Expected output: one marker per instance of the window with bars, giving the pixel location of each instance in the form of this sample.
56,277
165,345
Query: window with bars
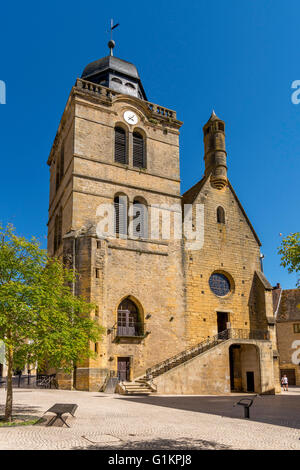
120,145
120,208
138,151
140,219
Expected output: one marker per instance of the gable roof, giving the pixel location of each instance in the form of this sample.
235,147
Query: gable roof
190,195
263,280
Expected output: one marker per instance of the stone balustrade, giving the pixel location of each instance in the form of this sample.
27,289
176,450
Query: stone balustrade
157,111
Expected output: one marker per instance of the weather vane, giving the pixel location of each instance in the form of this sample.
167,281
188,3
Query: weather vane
111,42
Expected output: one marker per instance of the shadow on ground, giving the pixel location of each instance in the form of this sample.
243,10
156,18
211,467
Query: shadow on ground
158,444
279,410
20,409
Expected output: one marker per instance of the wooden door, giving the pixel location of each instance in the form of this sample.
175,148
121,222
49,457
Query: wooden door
123,368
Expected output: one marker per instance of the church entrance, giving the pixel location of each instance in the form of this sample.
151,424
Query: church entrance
222,320
123,369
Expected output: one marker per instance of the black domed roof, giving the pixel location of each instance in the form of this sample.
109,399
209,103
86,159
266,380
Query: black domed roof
113,63
117,74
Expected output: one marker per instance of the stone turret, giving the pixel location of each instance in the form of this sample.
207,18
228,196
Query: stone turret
215,155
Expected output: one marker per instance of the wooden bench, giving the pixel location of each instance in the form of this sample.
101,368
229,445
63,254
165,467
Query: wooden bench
59,409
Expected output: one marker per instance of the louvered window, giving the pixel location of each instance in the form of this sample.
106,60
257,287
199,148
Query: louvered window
138,151
120,145
120,206
57,231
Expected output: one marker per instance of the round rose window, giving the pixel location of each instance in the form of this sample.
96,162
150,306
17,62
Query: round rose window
219,284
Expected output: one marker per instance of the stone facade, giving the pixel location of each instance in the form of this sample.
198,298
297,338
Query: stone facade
287,303
165,278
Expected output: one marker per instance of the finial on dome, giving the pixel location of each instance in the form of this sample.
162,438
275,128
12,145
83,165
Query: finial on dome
111,42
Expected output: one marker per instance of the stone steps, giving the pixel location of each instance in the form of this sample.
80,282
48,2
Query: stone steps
138,387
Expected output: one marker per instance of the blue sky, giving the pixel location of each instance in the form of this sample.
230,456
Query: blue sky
238,57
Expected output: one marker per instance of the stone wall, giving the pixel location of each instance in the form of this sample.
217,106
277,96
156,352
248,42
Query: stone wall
209,373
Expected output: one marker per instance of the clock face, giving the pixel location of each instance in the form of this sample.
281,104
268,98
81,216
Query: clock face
130,117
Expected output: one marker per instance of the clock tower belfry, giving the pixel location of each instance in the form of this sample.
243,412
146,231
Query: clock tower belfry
112,145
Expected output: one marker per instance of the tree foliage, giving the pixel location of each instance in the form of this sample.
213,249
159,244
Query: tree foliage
40,318
290,253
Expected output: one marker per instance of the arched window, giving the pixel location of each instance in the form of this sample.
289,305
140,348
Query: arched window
220,215
128,319
140,219
120,145
120,207
138,153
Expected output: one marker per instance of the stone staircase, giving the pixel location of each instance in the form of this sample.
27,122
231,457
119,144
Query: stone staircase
139,386
144,385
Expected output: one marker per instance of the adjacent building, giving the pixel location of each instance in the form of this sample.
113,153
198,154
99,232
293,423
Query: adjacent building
287,313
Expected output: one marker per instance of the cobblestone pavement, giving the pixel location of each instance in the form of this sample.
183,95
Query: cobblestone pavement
156,422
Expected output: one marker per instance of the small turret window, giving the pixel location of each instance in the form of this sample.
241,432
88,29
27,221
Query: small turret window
207,131
221,126
120,145
220,215
139,157
117,80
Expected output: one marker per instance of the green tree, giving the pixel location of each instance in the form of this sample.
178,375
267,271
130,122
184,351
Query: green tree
290,253
40,318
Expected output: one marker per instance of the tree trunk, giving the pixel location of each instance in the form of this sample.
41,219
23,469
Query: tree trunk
9,392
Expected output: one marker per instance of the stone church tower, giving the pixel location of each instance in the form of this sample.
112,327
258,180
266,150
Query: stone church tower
178,319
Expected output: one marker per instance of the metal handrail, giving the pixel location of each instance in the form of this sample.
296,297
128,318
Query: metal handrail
209,343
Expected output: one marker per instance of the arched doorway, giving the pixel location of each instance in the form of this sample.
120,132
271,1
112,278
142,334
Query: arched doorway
244,368
128,319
